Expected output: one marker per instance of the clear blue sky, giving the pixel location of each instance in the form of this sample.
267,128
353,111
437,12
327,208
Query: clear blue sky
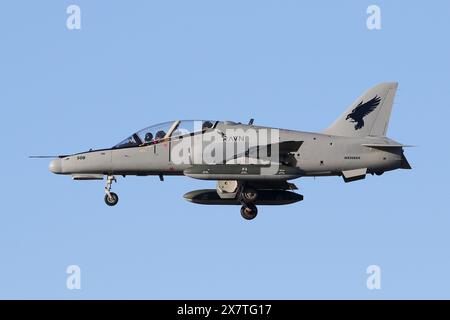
285,63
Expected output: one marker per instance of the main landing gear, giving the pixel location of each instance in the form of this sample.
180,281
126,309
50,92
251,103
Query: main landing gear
111,198
247,197
249,211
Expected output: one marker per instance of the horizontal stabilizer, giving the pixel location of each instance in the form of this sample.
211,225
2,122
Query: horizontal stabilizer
381,145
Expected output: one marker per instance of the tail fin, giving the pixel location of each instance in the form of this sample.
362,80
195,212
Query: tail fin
368,115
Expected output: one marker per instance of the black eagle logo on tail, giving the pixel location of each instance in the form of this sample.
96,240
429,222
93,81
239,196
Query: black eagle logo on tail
362,110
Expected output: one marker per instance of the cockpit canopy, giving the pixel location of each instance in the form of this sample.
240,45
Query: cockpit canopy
165,130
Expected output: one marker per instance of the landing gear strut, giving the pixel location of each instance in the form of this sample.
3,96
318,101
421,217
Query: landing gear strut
111,198
249,195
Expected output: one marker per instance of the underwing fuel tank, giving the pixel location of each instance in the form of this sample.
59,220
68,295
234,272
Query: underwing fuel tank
265,197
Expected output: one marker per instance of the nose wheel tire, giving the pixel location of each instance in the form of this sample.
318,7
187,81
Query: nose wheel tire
111,199
249,211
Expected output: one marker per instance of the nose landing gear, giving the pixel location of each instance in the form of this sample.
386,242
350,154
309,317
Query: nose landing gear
111,198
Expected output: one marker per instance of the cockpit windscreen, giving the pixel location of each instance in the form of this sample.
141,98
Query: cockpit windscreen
164,130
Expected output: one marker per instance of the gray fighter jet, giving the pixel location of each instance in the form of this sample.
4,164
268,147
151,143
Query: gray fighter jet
251,164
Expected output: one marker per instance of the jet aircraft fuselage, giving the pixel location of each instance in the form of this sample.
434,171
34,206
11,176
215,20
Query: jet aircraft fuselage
252,164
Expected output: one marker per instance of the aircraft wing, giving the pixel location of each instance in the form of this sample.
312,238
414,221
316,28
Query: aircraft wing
256,170
248,172
285,150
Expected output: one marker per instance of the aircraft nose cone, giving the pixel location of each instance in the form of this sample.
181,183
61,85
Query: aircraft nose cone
55,166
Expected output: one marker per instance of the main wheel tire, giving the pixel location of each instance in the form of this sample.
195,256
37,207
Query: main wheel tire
112,199
249,211
249,195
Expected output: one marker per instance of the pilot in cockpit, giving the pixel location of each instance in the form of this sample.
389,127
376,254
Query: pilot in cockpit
160,134
207,125
148,137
